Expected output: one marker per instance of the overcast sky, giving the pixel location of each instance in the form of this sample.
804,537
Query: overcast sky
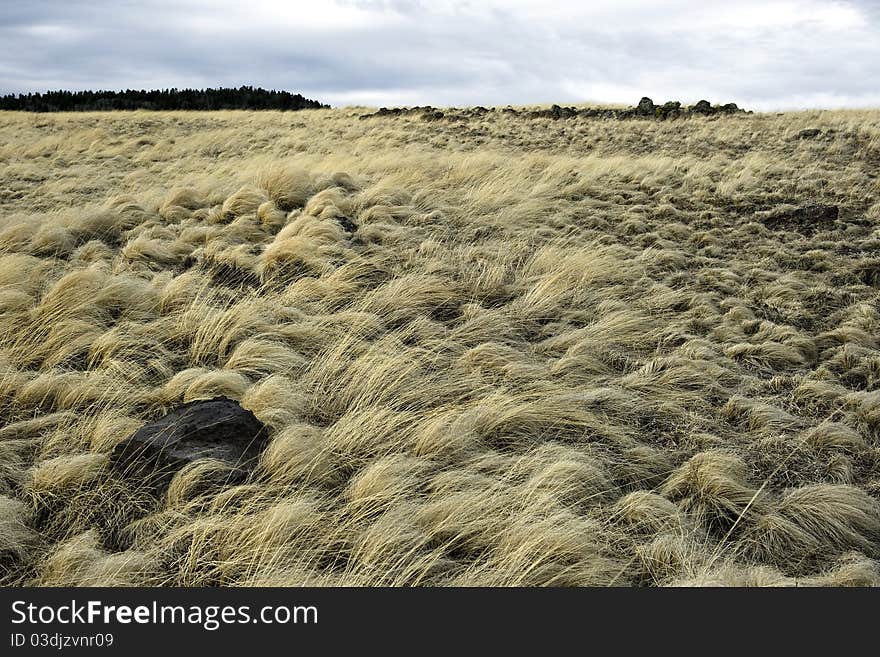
761,54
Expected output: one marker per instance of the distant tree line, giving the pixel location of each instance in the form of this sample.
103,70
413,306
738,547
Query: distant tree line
249,98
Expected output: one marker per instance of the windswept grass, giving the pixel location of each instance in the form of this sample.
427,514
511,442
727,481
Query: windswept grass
500,351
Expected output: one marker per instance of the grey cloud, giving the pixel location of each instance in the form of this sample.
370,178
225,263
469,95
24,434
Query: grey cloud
406,52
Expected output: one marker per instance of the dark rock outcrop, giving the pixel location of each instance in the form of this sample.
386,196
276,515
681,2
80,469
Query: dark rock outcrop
645,107
215,428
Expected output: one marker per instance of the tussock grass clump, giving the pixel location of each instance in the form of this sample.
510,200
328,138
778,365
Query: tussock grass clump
18,540
82,561
712,486
819,522
494,351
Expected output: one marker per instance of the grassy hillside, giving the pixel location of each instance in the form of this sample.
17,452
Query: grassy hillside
494,351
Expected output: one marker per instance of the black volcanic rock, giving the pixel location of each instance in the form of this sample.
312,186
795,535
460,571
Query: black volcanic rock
215,428
645,107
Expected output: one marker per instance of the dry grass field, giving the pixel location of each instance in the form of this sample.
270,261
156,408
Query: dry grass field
500,351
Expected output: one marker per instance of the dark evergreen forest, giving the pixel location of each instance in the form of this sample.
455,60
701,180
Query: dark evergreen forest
245,98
